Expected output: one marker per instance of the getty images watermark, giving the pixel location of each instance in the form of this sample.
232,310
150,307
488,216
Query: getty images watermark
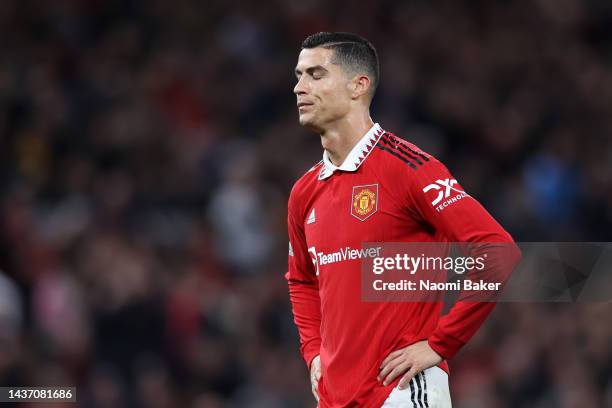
427,265
487,272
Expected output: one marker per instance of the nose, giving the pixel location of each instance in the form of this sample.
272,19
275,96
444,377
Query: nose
300,88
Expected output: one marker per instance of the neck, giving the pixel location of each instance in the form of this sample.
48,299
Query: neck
340,138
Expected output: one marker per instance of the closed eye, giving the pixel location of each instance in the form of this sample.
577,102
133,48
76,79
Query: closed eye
316,72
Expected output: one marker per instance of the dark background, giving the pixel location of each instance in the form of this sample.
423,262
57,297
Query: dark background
147,149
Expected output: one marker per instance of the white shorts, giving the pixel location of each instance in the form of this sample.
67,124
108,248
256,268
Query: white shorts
427,389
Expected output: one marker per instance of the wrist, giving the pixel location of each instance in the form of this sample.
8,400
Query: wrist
312,360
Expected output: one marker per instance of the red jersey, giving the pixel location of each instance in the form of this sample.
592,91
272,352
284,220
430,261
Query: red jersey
381,193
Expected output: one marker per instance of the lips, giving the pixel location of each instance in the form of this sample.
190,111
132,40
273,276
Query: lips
301,104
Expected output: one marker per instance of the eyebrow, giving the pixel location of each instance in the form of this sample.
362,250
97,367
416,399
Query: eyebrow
310,70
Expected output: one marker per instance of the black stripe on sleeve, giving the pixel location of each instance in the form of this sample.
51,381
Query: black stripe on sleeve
398,147
399,141
402,158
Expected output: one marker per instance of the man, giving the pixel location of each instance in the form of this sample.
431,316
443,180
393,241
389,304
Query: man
369,187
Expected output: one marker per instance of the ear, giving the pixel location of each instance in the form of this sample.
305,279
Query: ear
360,85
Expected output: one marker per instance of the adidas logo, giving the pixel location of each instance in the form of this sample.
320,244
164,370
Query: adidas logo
311,217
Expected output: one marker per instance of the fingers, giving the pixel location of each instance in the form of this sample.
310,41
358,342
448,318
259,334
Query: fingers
407,378
392,356
315,376
388,368
407,362
389,363
393,360
396,371
315,392
314,380
400,362
315,389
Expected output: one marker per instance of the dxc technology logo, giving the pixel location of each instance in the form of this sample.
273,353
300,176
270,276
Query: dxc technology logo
445,189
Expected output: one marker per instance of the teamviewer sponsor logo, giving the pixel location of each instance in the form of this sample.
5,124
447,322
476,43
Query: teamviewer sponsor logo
343,254
445,190
347,254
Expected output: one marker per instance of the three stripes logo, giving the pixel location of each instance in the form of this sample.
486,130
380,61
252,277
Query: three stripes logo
444,189
311,218
400,149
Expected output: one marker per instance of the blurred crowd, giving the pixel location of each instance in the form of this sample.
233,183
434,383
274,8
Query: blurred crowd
147,149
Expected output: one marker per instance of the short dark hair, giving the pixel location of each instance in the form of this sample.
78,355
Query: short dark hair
351,51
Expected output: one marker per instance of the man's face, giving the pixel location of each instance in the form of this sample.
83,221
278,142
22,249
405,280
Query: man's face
323,91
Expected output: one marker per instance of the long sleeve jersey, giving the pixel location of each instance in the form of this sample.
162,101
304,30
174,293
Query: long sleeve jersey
387,190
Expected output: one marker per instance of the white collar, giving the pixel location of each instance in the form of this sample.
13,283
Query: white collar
357,155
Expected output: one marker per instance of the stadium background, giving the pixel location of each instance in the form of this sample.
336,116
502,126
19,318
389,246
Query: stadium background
147,150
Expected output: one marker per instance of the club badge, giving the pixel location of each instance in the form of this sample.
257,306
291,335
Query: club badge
364,201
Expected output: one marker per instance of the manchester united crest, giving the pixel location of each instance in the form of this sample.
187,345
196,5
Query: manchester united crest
364,201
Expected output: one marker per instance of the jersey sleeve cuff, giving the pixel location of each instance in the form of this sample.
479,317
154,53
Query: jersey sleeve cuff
311,350
445,346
